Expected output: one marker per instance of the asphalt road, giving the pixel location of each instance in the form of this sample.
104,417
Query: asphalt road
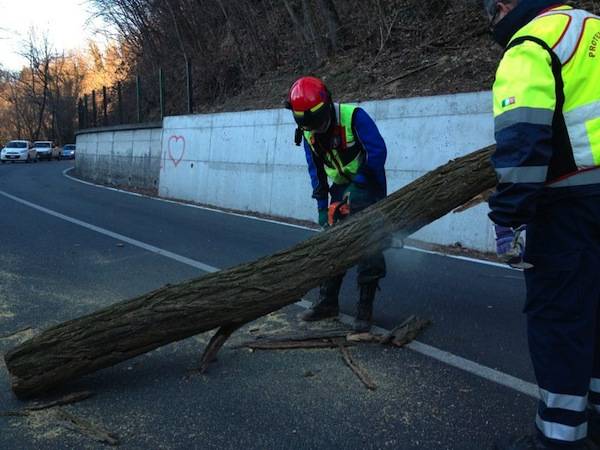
52,270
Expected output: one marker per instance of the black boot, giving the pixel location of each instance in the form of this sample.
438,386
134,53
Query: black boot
364,309
327,305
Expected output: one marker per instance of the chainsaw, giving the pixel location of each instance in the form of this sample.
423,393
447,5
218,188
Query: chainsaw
338,211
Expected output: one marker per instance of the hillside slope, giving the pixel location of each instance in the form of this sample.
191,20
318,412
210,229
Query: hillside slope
456,53
246,53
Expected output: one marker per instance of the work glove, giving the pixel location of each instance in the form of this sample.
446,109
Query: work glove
358,197
323,218
510,246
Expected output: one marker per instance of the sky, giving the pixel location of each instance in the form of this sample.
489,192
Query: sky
65,21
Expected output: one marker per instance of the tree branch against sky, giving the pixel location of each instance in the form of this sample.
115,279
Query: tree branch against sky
39,99
70,25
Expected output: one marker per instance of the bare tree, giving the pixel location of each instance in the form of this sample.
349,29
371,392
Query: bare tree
38,53
332,20
40,100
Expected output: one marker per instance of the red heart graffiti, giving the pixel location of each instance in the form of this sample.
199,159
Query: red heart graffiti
179,149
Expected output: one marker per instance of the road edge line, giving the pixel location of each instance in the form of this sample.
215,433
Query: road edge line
278,222
450,359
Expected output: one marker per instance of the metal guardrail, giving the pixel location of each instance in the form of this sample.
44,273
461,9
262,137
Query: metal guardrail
132,102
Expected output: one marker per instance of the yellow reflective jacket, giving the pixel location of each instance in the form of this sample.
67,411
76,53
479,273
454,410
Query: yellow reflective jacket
356,154
547,112
342,165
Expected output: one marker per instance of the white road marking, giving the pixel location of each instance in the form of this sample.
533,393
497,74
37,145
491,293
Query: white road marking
504,379
278,222
189,205
117,236
522,386
462,258
448,358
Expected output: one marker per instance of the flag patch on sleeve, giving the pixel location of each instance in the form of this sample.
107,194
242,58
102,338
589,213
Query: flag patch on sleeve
508,101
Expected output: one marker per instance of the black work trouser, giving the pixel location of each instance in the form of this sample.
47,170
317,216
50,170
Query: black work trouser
370,269
563,315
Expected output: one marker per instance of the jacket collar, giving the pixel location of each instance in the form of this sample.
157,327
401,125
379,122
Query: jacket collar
524,12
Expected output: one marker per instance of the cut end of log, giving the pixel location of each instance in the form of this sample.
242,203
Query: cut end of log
21,390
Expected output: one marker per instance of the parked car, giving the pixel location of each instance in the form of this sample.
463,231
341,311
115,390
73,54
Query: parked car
46,150
68,151
18,150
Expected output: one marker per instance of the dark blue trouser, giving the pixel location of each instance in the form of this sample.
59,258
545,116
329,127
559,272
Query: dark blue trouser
563,292
369,269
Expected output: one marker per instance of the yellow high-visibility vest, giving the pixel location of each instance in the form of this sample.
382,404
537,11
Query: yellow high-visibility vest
527,90
341,164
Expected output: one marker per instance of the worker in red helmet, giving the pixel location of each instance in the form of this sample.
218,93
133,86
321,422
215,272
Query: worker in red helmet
346,156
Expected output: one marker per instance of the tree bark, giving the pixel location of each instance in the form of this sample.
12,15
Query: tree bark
299,27
333,22
315,38
243,293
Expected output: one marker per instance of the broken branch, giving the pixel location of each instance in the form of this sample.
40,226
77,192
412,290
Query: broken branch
406,332
66,400
358,371
215,344
85,427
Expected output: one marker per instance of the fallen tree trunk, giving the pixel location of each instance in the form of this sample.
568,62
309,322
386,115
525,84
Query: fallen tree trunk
243,293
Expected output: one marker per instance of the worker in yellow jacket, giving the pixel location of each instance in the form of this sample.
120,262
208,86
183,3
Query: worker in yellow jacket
547,129
346,162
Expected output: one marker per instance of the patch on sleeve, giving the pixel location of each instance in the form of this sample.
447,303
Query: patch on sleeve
508,101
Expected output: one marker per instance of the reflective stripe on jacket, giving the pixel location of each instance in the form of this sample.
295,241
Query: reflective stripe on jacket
342,163
368,147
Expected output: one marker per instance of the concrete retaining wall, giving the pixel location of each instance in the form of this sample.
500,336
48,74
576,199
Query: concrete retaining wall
121,156
247,160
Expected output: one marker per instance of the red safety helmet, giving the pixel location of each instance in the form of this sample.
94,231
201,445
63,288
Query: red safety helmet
310,101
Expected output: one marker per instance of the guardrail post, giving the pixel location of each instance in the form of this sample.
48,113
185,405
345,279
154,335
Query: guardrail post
104,106
85,111
53,129
94,110
161,92
190,87
80,119
138,98
120,102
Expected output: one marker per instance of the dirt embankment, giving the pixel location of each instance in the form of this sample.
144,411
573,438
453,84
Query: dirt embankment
453,53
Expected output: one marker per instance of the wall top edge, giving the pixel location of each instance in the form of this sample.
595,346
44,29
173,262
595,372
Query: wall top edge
417,99
127,127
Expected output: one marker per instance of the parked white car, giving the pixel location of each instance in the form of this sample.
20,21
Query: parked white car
18,150
46,150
